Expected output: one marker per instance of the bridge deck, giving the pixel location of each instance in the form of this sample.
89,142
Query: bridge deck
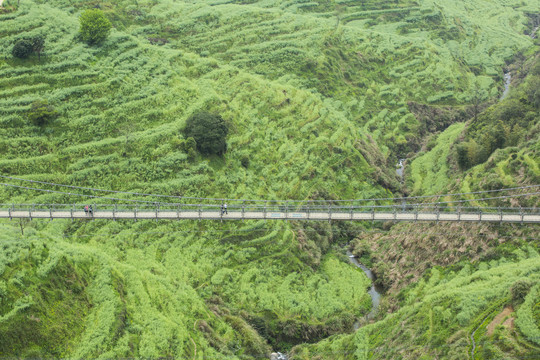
272,215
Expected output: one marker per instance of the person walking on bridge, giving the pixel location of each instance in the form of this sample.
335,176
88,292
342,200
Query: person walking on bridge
224,209
86,209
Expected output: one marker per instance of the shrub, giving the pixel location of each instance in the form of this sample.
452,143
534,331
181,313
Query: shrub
22,49
209,132
41,112
95,26
38,44
244,160
190,146
519,290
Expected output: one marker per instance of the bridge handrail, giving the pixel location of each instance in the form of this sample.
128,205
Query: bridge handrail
403,208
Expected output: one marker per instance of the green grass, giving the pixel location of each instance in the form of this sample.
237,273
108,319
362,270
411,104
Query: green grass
429,173
316,95
440,313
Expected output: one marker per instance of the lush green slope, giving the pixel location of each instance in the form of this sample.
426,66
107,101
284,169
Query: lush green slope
317,97
441,313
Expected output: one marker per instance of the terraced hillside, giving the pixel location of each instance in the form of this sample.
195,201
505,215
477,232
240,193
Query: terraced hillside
318,97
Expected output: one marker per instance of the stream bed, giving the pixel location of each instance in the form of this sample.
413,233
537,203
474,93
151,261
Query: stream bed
374,292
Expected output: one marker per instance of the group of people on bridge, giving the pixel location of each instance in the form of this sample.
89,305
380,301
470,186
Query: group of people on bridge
88,210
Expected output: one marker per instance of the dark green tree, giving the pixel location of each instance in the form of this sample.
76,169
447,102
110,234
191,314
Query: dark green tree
463,159
22,49
38,44
41,112
209,131
519,290
95,26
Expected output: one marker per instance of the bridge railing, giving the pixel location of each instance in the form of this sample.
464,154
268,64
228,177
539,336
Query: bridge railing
269,207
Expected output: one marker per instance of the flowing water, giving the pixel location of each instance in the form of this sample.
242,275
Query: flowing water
507,79
374,291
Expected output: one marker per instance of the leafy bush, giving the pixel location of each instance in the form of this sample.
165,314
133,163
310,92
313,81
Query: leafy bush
519,290
244,160
41,112
95,26
38,44
22,49
209,132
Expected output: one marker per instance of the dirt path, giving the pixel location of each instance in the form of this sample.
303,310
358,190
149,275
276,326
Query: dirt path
497,320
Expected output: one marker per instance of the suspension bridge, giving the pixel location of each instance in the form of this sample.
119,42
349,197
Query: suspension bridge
280,212
196,208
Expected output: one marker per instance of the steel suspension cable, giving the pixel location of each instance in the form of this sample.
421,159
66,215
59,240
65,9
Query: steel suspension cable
262,200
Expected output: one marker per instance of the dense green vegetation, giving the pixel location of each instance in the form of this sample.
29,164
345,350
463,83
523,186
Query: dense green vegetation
318,100
440,313
95,26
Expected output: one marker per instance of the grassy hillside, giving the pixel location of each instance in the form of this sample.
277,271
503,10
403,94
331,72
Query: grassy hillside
317,96
441,313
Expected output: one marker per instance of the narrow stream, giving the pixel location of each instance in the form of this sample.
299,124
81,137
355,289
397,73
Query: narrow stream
507,79
374,291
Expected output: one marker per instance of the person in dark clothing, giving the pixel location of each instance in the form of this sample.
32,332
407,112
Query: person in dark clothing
225,208
91,211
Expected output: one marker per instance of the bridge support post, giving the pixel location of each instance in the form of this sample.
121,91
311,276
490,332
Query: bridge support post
286,211
135,213
459,213
308,209
243,210
351,214
372,214
500,216
479,215
416,213
264,210
30,212
438,212
395,213
200,212
157,211
114,212
50,211
72,212
521,213
9,212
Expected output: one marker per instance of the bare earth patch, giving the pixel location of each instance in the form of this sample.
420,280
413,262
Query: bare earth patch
497,320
